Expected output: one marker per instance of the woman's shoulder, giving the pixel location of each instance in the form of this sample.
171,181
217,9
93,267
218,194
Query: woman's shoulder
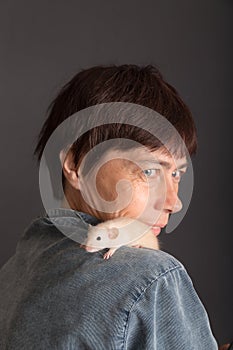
145,262
126,275
61,254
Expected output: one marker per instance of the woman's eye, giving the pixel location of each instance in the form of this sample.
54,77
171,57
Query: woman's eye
151,172
177,174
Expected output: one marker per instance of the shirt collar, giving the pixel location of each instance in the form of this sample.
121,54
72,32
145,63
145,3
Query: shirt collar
65,212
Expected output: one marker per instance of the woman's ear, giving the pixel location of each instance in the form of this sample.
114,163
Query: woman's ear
69,169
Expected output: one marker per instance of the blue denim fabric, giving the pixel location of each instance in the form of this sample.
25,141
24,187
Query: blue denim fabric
55,295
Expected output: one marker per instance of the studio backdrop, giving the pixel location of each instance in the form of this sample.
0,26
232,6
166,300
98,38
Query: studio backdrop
44,43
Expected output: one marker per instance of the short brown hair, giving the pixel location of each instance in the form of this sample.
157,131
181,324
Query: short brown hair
142,85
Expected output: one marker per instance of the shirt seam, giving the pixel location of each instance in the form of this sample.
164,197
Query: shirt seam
162,274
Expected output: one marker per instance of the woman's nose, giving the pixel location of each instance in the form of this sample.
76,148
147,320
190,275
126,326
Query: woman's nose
172,202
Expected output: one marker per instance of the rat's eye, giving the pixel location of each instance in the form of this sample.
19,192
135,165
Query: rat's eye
98,238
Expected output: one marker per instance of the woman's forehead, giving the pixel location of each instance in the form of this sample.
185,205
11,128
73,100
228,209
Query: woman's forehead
143,155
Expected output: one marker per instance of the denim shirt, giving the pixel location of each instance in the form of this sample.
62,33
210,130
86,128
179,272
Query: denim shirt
56,295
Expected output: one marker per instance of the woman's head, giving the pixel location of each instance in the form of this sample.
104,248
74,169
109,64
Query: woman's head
125,83
144,86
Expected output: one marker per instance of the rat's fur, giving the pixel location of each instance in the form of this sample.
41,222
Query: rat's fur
114,233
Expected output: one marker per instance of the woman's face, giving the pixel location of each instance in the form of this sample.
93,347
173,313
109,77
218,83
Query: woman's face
136,183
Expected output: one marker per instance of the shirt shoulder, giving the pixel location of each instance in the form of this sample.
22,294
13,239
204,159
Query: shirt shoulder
77,290
145,262
168,309
141,265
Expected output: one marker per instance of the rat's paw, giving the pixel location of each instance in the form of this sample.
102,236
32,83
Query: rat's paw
107,255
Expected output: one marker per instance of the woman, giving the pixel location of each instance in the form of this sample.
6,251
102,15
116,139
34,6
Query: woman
56,295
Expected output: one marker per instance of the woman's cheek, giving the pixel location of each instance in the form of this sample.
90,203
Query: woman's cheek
140,197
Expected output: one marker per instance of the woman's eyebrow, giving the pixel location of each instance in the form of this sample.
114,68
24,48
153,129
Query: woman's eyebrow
184,165
165,164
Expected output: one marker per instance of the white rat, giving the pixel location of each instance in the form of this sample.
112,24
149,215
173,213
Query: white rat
116,233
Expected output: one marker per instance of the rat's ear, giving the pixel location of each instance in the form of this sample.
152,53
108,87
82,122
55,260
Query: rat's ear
69,169
113,233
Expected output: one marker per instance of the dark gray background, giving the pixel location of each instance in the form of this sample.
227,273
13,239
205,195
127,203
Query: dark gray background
44,43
